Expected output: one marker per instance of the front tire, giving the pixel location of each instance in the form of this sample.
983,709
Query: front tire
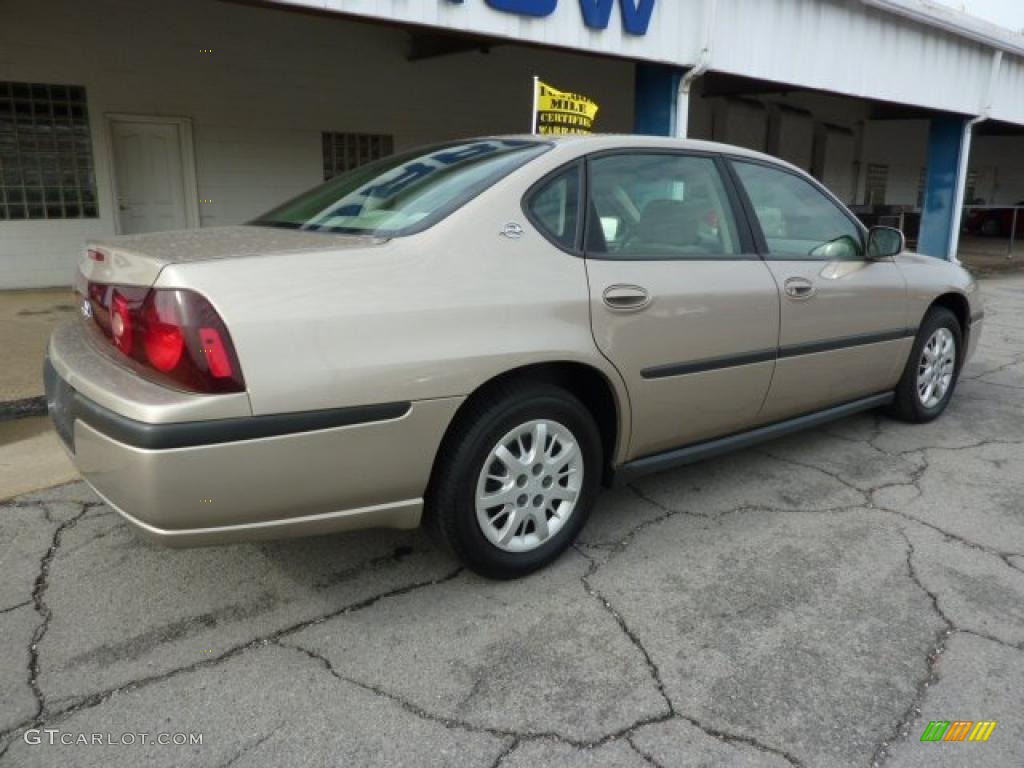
931,373
516,479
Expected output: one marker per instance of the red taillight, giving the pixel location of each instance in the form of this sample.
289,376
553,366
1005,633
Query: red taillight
175,335
163,338
122,327
216,354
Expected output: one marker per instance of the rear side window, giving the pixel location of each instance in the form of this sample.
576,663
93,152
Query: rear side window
798,221
554,207
657,205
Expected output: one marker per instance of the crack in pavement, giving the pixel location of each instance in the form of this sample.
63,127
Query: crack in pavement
16,606
827,472
39,588
950,536
620,544
512,747
913,710
1016,360
1007,558
997,384
519,737
655,672
991,638
95,699
914,478
416,710
645,756
652,668
717,517
464,725
259,741
953,448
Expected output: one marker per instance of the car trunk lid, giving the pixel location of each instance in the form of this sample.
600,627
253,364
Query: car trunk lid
137,260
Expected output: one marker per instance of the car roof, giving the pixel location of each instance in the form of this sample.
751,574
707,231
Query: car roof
604,141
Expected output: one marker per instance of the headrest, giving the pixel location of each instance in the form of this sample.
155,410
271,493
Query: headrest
669,222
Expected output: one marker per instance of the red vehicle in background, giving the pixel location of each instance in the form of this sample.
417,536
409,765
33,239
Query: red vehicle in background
996,222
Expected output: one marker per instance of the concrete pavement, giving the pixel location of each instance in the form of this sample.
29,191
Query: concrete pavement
815,601
31,457
26,320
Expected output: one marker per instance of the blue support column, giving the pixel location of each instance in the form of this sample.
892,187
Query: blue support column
654,107
938,217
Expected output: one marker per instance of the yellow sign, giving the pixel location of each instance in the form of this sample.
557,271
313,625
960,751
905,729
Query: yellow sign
558,112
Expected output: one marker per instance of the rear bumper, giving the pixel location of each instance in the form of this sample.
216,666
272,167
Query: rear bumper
253,477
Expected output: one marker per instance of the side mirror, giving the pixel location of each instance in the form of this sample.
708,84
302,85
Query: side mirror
885,242
842,248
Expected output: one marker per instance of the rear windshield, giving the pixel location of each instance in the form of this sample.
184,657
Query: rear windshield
404,193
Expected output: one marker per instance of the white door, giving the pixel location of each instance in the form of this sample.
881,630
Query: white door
149,175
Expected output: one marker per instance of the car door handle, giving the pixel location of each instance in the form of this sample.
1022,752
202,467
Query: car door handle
626,297
799,288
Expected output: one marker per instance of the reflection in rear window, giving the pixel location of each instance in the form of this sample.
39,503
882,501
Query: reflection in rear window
404,193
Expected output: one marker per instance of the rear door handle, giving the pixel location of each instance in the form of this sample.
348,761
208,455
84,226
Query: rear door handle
799,288
626,297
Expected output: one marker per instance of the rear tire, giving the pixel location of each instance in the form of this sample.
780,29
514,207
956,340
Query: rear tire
504,504
932,369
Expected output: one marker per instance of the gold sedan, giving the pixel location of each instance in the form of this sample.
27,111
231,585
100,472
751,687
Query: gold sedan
475,336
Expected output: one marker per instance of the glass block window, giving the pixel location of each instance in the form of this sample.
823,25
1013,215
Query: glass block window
345,151
46,164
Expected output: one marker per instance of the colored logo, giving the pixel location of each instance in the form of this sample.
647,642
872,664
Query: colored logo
958,730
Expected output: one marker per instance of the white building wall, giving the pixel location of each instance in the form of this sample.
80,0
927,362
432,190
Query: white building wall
258,103
846,47
841,46
674,34
1008,91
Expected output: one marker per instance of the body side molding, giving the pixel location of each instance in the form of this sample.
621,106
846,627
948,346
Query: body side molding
186,434
766,355
688,454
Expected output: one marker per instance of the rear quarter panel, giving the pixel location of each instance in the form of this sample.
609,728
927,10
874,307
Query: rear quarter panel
426,316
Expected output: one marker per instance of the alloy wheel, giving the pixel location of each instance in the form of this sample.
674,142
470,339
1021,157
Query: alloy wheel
936,367
529,485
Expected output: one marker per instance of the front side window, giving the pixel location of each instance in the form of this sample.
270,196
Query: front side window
798,221
656,205
405,193
554,207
